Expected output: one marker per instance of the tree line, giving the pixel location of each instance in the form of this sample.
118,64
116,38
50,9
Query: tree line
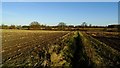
61,26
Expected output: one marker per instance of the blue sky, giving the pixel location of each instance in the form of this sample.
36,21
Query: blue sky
51,13
60,0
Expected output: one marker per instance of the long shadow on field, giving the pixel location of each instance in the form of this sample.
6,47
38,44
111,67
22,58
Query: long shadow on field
80,59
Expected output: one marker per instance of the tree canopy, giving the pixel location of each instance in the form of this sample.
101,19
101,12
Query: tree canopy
34,24
84,24
62,24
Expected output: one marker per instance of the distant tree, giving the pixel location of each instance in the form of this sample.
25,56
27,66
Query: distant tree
19,27
26,27
48,28
4,26
12,27
62,25
78,26
34,25
84,24
71,26
90,25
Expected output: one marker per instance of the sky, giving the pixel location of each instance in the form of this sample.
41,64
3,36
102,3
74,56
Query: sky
60,0
51,13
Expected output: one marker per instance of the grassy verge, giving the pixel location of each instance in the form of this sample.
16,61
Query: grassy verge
70,52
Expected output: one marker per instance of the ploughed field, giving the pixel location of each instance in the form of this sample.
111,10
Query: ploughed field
103,48
20,45
109,38
73,49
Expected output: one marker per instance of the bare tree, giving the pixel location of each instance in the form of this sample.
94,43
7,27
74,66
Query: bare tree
84,24
62,25
34,25
90,25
